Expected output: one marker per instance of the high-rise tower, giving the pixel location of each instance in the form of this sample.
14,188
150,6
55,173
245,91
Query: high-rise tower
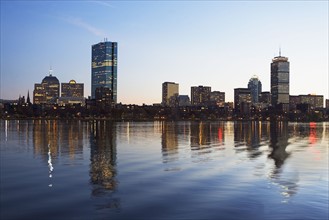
170,91
280,83
104,68
255,87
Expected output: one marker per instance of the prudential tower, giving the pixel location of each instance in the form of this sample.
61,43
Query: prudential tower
280,83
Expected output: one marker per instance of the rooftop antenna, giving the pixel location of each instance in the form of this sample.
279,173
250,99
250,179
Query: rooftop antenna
50,71
280,51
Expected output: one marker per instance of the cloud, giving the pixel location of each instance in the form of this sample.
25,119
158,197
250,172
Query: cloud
88,27
107,4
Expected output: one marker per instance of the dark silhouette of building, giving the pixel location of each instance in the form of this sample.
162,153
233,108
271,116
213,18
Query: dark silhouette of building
217,98
104,68
242,100
103,97
183,100
265,99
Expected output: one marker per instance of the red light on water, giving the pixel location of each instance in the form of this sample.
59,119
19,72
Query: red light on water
312,137
220,135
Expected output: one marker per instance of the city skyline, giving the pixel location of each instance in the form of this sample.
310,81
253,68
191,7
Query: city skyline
219,44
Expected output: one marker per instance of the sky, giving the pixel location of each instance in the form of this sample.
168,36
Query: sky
221,44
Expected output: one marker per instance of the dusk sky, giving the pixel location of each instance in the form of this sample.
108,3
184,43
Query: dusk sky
221,44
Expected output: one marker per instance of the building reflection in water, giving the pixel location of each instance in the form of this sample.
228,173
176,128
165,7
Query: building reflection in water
200,135
279,142
206,135
103,158
53,138
287,181
249,136
169,141
58,137
46,139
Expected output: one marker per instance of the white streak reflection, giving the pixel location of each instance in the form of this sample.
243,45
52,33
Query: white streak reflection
6,129
50,165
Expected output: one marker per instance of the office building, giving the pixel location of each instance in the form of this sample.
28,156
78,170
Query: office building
200,95
71,93
255,87
103,97
170,91
280,83
46,92
183,100
242,100
104,68
315,101
72,89
217,98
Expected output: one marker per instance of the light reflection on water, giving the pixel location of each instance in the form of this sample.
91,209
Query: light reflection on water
164,170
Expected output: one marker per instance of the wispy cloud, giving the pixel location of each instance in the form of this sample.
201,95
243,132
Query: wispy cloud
103,3
84,25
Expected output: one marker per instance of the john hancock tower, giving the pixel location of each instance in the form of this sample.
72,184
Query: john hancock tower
104,68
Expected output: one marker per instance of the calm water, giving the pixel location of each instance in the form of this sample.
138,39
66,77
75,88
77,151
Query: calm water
163,170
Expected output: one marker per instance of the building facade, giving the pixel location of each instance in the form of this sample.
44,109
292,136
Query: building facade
103,97
200,95
315,101
184,100
217,98
71,93
72,89
255,87
265,99
104,68
242,100
280,83
46,92
170,92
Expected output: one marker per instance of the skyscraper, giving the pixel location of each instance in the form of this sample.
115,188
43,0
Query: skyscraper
255,87
200,95
170,91
104,68
280,83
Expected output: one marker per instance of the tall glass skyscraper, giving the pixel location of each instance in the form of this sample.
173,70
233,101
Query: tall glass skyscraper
280,83
255,87
104,68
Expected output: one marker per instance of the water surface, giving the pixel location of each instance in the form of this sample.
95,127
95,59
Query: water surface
163,170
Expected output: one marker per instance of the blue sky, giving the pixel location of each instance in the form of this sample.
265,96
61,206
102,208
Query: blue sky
221,44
